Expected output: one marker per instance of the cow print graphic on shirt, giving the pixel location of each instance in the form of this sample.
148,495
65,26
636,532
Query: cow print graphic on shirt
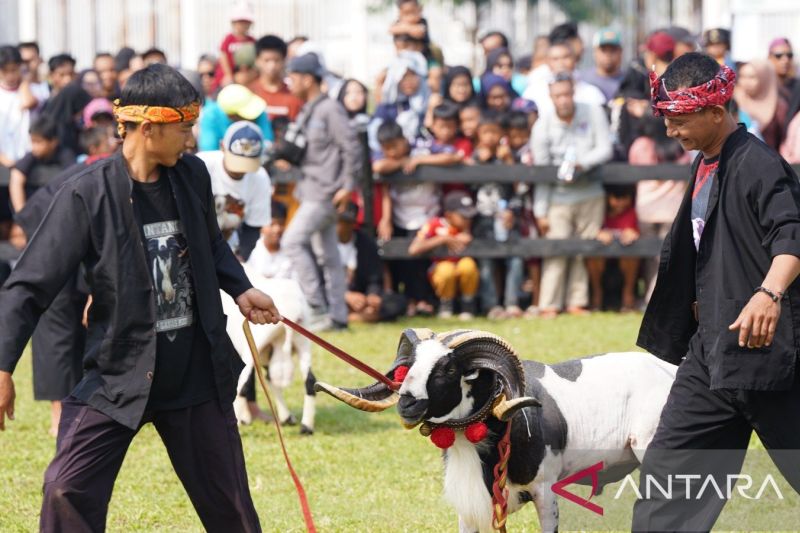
171,271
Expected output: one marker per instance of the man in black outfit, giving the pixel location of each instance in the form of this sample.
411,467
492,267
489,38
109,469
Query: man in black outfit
143,224
727,300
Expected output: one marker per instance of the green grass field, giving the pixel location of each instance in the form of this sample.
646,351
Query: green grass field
362,472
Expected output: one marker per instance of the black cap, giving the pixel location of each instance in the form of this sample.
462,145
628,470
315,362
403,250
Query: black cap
717,36
306,64
681,35
460,202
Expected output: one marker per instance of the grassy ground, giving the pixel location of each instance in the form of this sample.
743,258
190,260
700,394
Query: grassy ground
362,472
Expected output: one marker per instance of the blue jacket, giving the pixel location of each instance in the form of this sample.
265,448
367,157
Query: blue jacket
214,122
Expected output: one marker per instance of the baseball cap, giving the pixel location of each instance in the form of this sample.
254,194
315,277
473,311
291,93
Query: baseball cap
779,41
607,37
461,203
717,36
308,63
243,144
681,35
661,44
242,10
97,106
237,99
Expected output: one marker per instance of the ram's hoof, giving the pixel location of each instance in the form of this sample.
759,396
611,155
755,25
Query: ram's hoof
305,430
289,421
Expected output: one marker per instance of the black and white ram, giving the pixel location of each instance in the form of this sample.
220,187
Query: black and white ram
276,343
565,417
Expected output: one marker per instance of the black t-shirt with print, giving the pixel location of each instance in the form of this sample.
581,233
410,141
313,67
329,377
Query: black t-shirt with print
183,373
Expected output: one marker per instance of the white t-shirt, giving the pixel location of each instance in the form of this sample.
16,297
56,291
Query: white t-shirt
14,125
246,200
270,265
538,90
348,254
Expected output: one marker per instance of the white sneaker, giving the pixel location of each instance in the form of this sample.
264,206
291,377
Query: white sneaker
465,316
319,321
495,313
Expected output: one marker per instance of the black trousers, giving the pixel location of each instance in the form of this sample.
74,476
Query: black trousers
706,432
411,273
203,445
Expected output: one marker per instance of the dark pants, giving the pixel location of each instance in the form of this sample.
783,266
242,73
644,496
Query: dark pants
203,445
706,432
412,274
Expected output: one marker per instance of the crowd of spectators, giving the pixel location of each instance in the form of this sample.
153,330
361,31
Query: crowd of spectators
271,106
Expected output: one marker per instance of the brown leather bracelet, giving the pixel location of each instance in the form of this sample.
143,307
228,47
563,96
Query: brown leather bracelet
775,297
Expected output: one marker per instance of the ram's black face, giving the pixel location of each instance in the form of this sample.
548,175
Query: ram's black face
439,387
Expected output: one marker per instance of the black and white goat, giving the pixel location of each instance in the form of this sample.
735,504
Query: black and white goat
565,417
275,343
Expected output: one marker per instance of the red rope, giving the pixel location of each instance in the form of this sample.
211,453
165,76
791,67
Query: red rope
499,488
301,493
341,354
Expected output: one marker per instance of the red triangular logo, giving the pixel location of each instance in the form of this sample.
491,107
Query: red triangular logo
558,487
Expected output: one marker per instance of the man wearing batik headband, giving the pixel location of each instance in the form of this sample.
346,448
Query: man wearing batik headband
143,224
726,306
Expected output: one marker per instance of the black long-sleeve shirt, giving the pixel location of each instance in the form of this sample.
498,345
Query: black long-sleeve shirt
91,221
753,215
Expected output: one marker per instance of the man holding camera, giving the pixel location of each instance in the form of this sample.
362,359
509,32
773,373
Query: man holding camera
328,166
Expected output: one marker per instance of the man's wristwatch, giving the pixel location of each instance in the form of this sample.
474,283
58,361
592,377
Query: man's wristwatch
775,296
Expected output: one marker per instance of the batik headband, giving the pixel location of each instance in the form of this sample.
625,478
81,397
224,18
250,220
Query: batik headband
156,114
716,91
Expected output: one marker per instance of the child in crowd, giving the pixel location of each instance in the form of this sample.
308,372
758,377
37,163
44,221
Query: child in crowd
498,218
242,17
267,258
451,276
518,132
46,159
468,117
620,224
405,209
98,142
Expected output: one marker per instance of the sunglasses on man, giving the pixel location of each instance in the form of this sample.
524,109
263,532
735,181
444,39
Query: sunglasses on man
781,55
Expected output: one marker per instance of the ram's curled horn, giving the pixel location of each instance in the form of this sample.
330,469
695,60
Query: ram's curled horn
377,397
505,409
483,350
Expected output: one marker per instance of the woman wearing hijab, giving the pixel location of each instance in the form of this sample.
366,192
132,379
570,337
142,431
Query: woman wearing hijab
91,83
66,108
456,88
354,97
404,96
757,94
457,85
496,93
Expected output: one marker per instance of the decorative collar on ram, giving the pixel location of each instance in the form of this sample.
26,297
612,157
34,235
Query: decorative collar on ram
451,380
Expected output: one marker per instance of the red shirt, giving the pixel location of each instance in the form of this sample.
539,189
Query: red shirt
438,226
280,103
229,45
625,220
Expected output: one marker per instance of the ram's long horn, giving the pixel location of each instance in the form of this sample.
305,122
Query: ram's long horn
505,409
375,398
482,350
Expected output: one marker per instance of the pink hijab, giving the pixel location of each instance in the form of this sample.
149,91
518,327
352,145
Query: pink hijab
763,104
